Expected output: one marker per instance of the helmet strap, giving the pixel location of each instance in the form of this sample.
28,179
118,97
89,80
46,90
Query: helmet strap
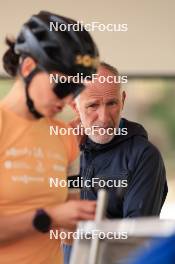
29,101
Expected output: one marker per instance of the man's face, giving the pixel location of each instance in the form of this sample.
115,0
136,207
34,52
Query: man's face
100,105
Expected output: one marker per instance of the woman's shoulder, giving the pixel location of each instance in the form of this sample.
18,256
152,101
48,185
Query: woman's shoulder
1,112
66,133
54,122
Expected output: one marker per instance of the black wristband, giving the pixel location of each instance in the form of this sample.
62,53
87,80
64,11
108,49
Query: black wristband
42,221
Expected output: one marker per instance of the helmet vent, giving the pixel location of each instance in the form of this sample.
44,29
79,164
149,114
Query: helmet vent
41,35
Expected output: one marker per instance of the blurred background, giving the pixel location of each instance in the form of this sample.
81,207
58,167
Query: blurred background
145,53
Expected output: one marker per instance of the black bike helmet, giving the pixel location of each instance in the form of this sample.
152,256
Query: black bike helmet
69,52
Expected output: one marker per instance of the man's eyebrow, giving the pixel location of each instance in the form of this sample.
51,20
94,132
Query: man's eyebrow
95,101
112,100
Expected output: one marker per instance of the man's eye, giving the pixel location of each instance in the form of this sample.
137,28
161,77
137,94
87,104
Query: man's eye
92,106
112,103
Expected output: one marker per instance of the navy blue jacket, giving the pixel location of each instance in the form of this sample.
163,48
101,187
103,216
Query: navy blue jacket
127,157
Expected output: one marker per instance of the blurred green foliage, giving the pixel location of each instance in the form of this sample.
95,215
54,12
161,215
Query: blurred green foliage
5,85
164,110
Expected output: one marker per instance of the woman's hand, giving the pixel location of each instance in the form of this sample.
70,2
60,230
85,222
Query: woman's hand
68,214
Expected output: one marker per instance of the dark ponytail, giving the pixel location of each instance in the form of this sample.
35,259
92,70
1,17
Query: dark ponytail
11,59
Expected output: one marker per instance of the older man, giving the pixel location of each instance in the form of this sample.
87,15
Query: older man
128,161
128,157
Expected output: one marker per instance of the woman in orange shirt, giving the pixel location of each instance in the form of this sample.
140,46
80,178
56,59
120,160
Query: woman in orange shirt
29,156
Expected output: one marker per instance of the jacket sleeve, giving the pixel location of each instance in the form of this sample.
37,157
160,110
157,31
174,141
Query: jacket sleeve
147,187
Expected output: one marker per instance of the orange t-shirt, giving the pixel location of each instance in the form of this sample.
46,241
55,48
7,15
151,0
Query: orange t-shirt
29,156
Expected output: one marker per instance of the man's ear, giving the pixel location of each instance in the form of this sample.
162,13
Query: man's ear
123,99
73,105
27,66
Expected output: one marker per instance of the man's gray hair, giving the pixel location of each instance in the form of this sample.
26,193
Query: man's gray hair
109,68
